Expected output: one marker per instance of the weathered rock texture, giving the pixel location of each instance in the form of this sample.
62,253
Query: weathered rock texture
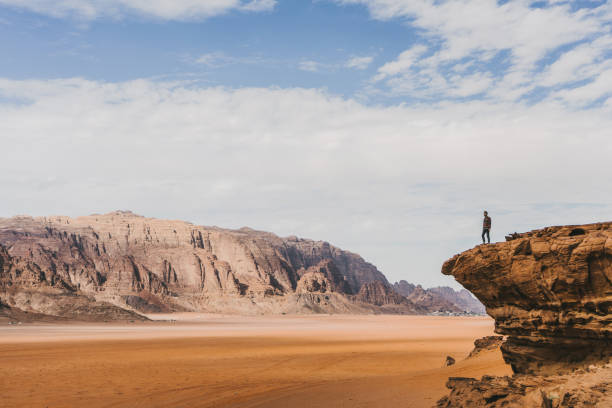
383,295
440,299
549,291
26,295
462,299
485,344
584,388
152,265
590,387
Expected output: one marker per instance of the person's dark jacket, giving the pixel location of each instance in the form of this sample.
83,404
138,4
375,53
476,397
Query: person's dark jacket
486,224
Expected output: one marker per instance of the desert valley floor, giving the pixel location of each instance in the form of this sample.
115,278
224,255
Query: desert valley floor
199,360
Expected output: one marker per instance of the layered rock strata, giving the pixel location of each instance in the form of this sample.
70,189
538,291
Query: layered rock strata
581,389
27,295
485,344
549,291
151,265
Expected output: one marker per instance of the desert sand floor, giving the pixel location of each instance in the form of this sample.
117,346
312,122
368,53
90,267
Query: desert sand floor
227,361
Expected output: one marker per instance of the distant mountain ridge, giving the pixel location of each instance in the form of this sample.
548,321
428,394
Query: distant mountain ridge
441,298
109,266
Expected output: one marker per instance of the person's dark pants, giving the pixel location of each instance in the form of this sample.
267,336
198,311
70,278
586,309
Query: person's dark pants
486,231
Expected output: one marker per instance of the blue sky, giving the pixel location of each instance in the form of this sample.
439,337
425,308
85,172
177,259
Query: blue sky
270,48
382,126
287,44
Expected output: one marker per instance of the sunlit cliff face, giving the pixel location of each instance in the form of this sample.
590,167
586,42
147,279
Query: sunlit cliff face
549,291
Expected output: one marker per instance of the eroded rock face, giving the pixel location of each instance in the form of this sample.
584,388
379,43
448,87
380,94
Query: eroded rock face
377,293
549,291
581,389
153,265
425,297
486,343
314,282
462,299
27,295
323,277
442,298
382,294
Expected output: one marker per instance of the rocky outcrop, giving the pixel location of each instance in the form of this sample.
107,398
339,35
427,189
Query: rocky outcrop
430,301
323,277
404,288
313,282
549,291
377,293
462,299
382,294
581,389
440,299
27,293
151,265
485,344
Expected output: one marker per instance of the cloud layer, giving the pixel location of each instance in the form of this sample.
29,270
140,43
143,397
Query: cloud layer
359,62
503,106
404,186
162,9
504,51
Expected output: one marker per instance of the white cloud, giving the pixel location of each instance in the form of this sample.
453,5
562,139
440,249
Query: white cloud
353,62
310,66
403,63
469,25
213,59
388,182
359,62
162,9
584,61
470,32
419,77
600,87
463,86
221,59
565,68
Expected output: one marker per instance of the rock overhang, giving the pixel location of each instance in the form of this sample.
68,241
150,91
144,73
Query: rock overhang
549,291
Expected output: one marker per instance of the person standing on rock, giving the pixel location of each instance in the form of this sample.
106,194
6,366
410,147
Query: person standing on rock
486,227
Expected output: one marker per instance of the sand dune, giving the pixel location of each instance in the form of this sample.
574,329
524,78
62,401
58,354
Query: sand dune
227,361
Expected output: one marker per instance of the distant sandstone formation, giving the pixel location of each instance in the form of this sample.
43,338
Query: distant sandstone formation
550,293
441,298
109,266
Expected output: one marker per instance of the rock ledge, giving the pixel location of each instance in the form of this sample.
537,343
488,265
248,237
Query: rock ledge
549,291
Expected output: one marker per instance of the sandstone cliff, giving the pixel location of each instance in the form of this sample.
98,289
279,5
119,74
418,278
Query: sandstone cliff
550,292
26,295
153,265
380,294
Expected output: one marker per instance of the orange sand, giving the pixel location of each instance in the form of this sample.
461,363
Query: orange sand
224,361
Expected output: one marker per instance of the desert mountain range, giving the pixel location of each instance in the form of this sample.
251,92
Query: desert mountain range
117,265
